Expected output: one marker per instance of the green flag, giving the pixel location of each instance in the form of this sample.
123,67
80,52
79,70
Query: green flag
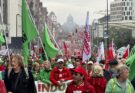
28,26
50,49
28,30
2,40
132,51
131,63
25,52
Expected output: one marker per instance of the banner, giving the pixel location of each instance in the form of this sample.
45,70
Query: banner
50,88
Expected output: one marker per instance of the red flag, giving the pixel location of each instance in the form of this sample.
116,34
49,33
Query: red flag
111,54
2,87
126,53
65,49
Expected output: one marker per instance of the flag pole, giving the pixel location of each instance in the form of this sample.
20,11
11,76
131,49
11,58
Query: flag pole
7,47
6,39
55,42
36,30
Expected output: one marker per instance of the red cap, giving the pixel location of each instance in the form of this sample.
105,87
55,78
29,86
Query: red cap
80,70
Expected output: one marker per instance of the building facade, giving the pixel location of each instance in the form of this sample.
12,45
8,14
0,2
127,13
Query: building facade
122,10
14,19
2,16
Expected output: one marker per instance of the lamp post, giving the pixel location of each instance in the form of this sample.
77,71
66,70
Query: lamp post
54,21
107,29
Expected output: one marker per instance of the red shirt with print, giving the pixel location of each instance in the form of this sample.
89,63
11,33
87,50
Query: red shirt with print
83,88
56,75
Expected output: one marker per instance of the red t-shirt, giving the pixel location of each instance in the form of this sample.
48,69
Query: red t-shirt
57,75
99,83
83,88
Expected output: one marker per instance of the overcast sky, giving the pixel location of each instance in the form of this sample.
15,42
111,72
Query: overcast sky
77,8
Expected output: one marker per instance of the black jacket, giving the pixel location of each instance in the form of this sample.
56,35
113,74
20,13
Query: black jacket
24,84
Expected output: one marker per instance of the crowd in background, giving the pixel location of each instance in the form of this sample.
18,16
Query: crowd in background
89,77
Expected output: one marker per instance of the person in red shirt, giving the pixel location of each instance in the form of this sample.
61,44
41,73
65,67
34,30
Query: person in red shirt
79,84
90,65
60,74
97,79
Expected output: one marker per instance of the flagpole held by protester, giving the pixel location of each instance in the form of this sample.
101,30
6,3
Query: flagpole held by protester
37,31
55,42
86,43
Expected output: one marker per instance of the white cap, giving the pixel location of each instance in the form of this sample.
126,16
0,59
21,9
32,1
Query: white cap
70,66
90,62
60,60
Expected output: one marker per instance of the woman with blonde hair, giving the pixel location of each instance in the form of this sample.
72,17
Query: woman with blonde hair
120,84
97,79
17,80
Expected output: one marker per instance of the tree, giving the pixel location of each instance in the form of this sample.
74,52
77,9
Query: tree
121,36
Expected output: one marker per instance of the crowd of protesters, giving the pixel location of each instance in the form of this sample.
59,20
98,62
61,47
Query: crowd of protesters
89,77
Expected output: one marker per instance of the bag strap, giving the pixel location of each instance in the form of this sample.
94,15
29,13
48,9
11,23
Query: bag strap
113,85
129,88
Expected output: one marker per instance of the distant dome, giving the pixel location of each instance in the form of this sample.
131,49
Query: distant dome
70,18
69,25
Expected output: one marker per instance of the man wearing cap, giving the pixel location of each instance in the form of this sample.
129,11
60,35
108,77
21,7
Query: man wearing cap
90,65
59,74
78,61
79,84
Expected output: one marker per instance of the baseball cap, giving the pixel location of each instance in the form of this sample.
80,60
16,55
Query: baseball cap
90,62
80,70
60,60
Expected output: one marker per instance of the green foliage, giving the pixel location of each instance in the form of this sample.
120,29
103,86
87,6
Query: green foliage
121,36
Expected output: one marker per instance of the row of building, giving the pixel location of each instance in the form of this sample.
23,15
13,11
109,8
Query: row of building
121,12
10,20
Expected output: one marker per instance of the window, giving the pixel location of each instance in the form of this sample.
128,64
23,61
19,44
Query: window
131,4
127,3
128,13
125,8
123,13
125,17
123,3
130,8
130,18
